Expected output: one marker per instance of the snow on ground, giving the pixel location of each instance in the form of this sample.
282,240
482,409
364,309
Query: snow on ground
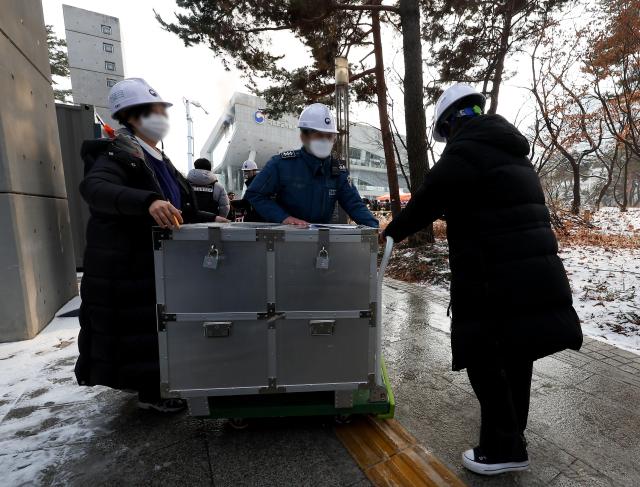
42,409
606,293
606,281
613,221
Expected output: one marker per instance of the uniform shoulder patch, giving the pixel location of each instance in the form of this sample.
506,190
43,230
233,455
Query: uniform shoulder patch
289,154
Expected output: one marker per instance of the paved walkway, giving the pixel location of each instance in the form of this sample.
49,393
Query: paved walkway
584,424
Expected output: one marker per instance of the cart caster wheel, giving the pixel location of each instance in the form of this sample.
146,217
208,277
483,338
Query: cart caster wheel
238,423
343,418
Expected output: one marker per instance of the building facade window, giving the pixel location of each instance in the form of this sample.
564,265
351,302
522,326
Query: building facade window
377,161
111,82
109,65
106,47
106,29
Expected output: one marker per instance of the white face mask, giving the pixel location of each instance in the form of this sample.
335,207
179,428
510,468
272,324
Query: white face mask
154,126
321,148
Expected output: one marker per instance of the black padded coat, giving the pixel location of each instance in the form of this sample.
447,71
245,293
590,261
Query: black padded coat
510,296
118,338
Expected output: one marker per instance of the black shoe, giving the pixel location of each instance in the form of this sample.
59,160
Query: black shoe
477,461
164,405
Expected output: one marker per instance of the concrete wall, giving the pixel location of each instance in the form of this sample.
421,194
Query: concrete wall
36,251
75,125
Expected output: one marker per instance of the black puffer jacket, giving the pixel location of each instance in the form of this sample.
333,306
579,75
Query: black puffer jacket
510,296
118,339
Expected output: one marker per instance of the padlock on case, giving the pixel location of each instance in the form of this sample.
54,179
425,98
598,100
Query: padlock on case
211,259
322,260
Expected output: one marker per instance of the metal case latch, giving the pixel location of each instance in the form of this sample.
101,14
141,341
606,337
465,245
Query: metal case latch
322,327
217,329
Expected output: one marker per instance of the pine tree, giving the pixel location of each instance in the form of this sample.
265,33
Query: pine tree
472,41
58,62
237,33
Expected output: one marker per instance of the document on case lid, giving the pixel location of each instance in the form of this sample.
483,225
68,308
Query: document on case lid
335,226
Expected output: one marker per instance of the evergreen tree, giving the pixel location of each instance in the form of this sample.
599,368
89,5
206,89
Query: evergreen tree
58,62
472,41
237,33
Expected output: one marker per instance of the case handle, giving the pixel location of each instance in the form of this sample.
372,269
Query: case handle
322,327
217,329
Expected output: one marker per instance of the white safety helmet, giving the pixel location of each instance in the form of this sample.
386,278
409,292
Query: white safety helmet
249,166
130,92
448,99
318,117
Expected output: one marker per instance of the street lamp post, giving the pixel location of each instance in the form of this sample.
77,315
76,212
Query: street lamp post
342,108
190,139
342,122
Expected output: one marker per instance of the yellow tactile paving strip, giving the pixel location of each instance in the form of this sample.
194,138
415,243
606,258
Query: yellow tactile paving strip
391,457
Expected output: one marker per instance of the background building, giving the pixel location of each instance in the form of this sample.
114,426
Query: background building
244,132
95,56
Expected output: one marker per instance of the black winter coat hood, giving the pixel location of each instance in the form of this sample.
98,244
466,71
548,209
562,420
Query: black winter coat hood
493,130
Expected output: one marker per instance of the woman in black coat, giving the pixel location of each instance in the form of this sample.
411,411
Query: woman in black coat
510,297
130,186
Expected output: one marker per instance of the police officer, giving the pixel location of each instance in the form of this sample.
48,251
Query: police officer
301,186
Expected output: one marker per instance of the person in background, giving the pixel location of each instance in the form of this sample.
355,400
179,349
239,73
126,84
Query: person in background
302,186
243,206
511,302
211,195
232,211
130,185
249,171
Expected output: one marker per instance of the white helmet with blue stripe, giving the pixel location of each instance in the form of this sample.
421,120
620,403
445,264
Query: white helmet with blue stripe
448,100
317,117
130,92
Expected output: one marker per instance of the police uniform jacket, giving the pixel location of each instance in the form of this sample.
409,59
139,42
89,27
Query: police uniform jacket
299,184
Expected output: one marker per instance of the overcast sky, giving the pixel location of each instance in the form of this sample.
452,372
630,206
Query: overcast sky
176,71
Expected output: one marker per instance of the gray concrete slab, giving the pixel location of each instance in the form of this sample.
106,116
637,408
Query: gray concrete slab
36,250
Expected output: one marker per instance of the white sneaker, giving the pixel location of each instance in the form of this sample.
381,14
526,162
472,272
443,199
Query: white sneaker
480,464
164,405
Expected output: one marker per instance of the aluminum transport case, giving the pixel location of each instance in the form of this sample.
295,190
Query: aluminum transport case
258,319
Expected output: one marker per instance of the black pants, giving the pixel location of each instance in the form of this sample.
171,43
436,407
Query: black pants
503,392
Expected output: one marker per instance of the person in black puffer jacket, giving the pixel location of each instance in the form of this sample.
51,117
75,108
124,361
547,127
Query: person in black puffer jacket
130,186
511,302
